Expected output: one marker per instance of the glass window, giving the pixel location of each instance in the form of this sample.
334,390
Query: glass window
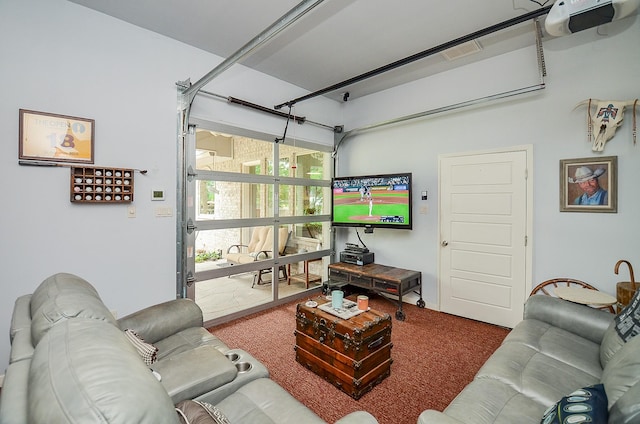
213,246
235,180
233,200
303,200
230,153
304,163
206,195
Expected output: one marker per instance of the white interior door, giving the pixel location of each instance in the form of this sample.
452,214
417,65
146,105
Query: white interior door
484,209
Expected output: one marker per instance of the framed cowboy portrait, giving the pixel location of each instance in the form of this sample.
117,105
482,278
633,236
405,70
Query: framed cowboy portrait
589,184
51,137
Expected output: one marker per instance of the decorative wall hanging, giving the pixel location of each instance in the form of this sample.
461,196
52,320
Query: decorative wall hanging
589,184
52,137
606,118
101,185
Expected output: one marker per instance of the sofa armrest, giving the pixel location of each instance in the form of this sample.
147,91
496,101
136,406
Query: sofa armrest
21,347
163,320
431,416
195,372
15,391
582,320
21,317
358,417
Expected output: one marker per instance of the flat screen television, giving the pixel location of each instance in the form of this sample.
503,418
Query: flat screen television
372,201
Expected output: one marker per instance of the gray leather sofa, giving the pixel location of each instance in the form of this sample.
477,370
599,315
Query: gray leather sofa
558,348
71,362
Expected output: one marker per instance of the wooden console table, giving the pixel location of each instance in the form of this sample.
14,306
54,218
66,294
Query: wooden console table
381,279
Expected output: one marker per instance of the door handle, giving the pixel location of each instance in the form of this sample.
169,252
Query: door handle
444,243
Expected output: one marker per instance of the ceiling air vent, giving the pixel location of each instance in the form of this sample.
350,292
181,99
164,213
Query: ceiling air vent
462,50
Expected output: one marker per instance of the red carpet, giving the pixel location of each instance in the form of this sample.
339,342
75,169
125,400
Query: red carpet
434,356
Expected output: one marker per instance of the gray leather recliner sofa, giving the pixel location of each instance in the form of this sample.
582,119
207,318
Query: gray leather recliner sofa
558,348
71,362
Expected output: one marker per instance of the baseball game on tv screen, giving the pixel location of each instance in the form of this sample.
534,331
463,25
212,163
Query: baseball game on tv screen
376,201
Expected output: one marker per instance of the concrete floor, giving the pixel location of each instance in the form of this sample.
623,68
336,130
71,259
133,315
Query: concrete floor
223,296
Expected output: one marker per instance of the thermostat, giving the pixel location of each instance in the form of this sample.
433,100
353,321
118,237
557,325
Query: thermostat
157,194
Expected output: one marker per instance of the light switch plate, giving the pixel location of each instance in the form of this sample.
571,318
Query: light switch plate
162,211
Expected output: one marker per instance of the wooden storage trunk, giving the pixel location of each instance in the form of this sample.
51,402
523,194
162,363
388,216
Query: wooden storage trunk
354,355
356,337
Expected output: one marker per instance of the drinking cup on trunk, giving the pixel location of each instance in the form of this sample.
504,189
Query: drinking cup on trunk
336,299
363,303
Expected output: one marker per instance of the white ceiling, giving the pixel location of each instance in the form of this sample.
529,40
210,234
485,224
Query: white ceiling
338,39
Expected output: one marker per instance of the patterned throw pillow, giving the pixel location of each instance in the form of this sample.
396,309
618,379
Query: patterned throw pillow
628,320
147,351
586,405
196,412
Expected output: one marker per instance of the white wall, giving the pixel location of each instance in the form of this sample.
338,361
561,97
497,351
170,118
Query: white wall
602,63
62,58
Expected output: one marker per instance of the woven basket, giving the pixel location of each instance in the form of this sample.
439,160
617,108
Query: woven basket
625,289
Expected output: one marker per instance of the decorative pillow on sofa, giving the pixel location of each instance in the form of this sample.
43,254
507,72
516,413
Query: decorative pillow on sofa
628,320
621,376
624,326
147,351
195,412
611,344
586,405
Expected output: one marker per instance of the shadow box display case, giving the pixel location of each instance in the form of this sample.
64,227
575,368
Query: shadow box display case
101,185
